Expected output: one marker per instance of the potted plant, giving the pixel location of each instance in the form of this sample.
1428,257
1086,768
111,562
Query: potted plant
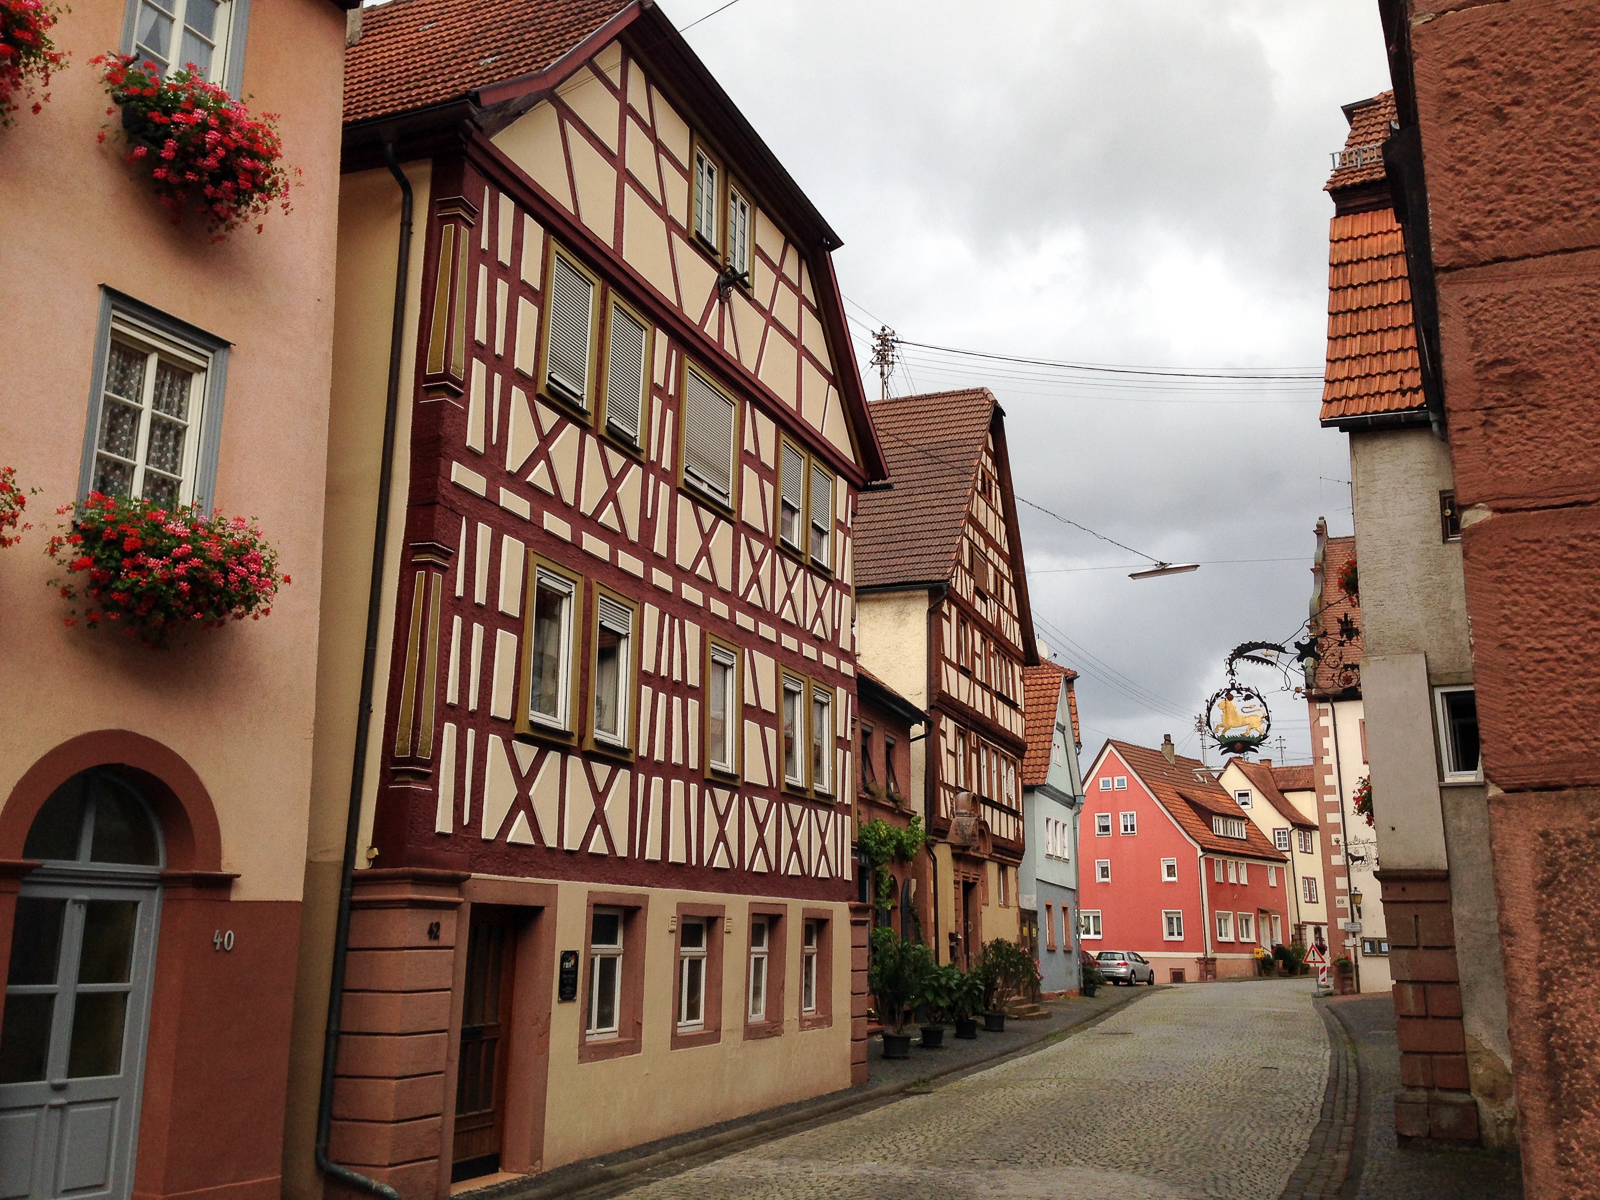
894,978
1265,963
150,570
1297,958
1009,973
1288,964
935,997
1363,799
966,1002
1344,974
1090,978
27,55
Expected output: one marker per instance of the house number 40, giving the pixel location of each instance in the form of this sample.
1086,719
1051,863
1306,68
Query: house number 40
222,939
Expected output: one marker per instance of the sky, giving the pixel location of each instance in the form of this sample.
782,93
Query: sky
1135,182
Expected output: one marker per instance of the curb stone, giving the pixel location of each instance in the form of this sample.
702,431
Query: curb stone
596,1177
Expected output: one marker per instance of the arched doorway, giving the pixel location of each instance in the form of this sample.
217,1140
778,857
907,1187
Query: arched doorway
77,1006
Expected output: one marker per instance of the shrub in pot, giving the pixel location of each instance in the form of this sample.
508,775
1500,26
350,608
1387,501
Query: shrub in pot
935,997
894,978
966,1002
1091,980
1010,973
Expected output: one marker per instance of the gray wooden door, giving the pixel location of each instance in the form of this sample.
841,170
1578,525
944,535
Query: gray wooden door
77,1006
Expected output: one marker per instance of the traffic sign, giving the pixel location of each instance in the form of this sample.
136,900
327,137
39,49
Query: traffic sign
1316,958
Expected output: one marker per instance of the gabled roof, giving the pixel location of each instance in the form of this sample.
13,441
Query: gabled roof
1187,791
1336,616
1294,779
1262,777
1041,693
1372,367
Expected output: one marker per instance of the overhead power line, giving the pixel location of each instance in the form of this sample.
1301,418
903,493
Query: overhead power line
1293,374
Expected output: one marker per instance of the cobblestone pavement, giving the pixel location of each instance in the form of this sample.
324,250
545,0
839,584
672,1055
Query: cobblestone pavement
1198,1091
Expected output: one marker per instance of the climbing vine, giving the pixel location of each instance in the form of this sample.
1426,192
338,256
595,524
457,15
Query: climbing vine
883,843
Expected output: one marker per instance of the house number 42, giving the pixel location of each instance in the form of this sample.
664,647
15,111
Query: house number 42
222,939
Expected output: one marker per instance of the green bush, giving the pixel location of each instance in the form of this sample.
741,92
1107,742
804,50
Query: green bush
1009,972
896,973
937,993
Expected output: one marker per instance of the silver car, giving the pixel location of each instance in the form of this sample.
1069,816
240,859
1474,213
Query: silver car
1125,966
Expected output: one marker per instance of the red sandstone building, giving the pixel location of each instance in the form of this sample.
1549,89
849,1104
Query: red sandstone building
1172,868
604,834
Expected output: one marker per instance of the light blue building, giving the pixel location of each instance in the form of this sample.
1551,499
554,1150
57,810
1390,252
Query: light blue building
1052,796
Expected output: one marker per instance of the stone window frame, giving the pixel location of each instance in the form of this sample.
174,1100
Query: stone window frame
821,1016
629,1038
710,1031
777,917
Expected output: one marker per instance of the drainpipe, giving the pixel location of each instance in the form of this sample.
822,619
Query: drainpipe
1205,907
369,664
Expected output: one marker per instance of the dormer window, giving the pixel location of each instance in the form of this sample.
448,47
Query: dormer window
1229,827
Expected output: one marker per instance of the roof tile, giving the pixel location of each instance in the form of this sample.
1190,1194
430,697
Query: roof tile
1041,691
1264,779
1187,790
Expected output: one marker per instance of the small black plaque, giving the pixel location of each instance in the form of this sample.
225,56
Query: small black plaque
567,985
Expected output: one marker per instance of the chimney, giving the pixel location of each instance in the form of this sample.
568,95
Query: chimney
1266,762
1169,749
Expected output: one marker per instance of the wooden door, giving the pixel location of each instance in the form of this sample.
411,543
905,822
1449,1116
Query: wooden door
485,1042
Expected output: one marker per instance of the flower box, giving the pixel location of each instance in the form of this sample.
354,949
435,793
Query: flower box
151,570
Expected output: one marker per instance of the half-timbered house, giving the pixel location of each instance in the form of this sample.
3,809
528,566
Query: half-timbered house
605,834
943,608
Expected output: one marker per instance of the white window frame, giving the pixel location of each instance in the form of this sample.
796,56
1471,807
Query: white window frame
1102,870
1089,928
811,941
1105,783
1272,876
795,688
1224,926
1243,797
1169,870
1130,823
1244,873
227,53
757,977
1172,925
1102,824
618,620
1233,870
1447,743
721,656
1216,869
1308,889
741,220
598,952
1121,783
692,958
1280,839
1246,925
1230,827
568,589
707,198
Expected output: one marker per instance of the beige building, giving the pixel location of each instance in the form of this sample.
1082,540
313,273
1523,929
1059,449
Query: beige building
1288,818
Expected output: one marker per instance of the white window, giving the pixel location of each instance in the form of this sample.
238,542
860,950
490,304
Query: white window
1247,927
708,419
794,699
1243,797
550,659
1130,822
1306,839
821,517
721,709
1233,871
1216,869
1102,870
808,966
1003,877
738,233
692,946
1277,930
613,670
1229,827
1244,872
605,973
1102,824
821,739
707,195
1169,870
1089,923
757,1008
1272,876
1280,838
1105,784
1174,926
626,340
566,366
1224,927
1458,733
1308,889
1122,783
175,33
151,400
792,497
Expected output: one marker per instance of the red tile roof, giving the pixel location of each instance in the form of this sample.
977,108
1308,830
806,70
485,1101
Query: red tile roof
1187,790
1362,159
911,533
417,53
1264,779
1338,620
1293,779
1372,362
1041,692
1072,704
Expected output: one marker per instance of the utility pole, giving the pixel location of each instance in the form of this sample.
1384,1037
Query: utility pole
1200,728
883,355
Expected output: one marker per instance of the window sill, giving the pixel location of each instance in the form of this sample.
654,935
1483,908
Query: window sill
632,448
755,1031
527,731
700,495
815,1021
623,754
564,404
718,775
699,1037
600,1050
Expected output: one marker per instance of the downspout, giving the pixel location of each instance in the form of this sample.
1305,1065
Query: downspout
1205,907
369,662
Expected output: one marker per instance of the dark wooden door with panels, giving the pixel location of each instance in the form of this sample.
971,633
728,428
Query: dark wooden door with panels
485,1041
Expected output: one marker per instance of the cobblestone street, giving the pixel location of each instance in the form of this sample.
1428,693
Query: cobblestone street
1194,1091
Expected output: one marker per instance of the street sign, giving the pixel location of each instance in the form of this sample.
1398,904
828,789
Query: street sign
1316,958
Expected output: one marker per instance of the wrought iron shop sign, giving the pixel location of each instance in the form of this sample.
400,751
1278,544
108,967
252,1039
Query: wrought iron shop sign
1238,718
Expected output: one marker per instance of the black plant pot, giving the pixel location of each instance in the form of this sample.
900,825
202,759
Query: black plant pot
994,1022
966,1028
932,1037
897,1045
1089,989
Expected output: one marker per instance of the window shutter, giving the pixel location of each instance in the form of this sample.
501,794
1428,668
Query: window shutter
624,373
708,436
614,615
821,513
567,359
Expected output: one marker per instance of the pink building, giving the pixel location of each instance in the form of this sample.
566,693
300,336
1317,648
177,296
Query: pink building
1172,868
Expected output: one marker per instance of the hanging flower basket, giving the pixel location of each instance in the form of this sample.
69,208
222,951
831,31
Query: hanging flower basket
1349,581
13,502
27,55
150,570
204,149
1363,798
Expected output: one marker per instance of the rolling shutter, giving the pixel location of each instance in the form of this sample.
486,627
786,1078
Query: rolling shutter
793,482
624,374
821,514
707,436
567,359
